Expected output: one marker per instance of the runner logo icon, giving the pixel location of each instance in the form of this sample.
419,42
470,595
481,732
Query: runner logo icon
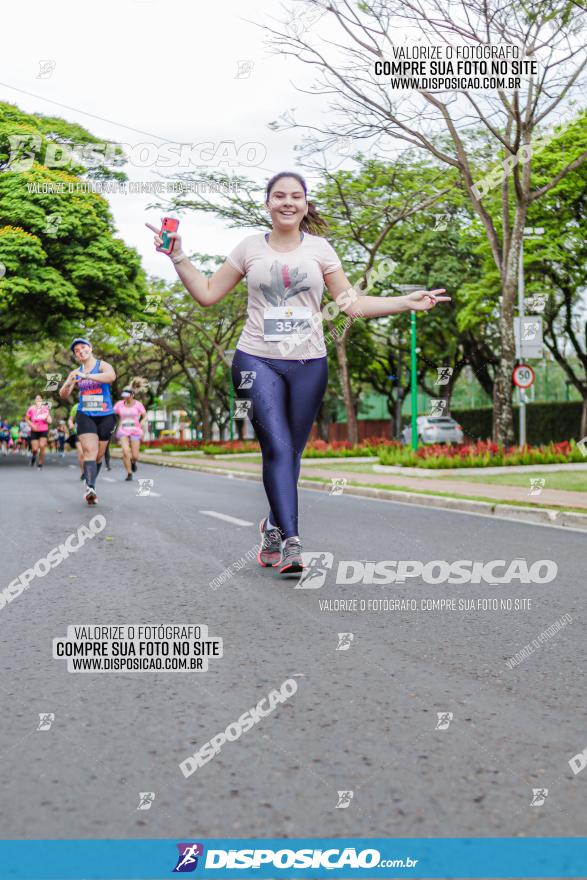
247,378
146,799
46,719
316,565
187,860
344,799
539,796
444,719
344,641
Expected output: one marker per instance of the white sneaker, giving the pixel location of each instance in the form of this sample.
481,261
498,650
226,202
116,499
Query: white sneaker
90,495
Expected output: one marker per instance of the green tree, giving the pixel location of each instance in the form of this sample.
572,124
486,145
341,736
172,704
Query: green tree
551,32
62,263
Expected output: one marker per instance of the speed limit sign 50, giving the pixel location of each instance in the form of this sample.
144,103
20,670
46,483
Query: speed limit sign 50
523,376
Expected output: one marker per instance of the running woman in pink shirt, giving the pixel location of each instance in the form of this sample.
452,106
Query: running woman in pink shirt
39,418
131,418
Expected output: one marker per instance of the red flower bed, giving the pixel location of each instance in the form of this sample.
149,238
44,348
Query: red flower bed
171,441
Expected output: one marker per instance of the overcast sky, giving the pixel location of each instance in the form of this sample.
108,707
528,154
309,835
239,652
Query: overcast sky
169,70
183,72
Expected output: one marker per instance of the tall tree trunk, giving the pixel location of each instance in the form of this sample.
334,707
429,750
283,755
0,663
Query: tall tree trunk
347,393
206,420
397,423
503,416
322,422
583,430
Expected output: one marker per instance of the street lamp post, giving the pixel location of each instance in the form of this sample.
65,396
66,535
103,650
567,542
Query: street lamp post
413,383
411,288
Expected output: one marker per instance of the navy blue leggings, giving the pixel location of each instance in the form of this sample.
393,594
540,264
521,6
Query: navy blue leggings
285,399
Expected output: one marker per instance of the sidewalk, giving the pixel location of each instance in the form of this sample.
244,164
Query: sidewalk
433,486
516,494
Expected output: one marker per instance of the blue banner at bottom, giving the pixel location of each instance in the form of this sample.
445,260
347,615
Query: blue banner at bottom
301,857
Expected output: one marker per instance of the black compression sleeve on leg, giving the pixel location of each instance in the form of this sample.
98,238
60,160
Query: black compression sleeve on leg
90,473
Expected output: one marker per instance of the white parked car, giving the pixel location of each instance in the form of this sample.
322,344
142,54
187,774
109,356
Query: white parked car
435,429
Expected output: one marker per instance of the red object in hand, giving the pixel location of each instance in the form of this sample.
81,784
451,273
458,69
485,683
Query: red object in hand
169,224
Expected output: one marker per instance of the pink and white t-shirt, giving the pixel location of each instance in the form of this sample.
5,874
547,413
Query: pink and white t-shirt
38,416
130,418
294,278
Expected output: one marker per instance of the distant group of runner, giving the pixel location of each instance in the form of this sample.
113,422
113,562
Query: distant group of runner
33,435
90,426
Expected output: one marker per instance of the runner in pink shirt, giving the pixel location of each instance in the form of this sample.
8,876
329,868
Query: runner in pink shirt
39,418
131,416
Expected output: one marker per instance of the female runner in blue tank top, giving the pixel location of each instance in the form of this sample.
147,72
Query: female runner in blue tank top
280,363
95,419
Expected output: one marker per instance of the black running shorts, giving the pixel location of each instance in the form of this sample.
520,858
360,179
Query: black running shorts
103,426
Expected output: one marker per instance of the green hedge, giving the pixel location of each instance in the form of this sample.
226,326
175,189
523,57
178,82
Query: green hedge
545,422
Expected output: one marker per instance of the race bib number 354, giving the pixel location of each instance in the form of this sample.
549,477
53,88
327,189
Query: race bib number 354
281,322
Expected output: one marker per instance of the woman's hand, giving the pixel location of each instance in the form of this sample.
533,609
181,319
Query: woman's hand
424,300
176,249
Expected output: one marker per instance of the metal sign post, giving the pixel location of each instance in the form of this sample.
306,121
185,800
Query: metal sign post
523,377
527,330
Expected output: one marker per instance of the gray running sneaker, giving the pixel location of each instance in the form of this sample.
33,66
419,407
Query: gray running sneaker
270,550
291,560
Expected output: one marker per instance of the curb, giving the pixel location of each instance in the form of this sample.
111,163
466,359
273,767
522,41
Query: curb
498,510
539,515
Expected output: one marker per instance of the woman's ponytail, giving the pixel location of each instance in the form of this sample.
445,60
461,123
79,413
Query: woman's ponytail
313,222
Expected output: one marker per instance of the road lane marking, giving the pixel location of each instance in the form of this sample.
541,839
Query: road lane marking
224,516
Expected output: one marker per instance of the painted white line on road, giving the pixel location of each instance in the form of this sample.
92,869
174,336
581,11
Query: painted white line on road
227,518
108,480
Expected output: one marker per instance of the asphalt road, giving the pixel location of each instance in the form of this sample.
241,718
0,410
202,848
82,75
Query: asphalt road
363,719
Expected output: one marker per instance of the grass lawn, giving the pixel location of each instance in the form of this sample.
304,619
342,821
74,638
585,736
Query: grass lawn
573,481
231,456
424,492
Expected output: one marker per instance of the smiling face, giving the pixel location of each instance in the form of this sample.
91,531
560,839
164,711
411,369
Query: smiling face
39,400
82,352
287,204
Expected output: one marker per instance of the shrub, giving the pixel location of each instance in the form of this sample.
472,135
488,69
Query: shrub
547,422
484,453
344,449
